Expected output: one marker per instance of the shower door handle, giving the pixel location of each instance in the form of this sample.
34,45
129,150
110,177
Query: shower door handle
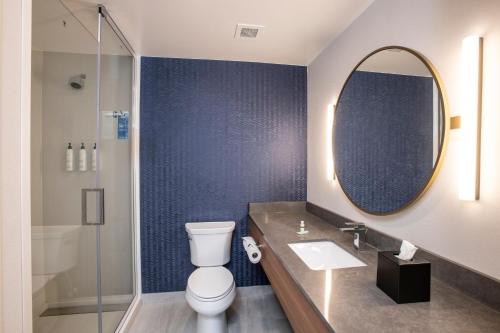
99,209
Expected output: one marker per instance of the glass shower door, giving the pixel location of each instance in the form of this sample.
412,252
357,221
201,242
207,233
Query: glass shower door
63,132
114,173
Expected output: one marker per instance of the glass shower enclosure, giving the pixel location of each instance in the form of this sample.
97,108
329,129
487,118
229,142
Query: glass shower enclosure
81,169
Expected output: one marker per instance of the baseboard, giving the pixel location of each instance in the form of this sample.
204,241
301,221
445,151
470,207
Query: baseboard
477,285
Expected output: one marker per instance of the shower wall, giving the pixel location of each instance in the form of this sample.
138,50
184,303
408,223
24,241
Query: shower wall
61,115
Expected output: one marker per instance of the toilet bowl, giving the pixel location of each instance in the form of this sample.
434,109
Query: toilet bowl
210,292
210,288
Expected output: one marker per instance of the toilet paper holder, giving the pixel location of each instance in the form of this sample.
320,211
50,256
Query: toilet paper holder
254,241
252,249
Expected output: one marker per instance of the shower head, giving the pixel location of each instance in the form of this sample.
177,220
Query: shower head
77,81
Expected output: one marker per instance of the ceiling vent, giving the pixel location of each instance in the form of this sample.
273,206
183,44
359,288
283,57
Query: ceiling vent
244,31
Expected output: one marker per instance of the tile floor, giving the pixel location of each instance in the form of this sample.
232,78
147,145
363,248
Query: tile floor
255,309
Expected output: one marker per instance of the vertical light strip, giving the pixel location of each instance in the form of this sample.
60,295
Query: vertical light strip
330,168
471,118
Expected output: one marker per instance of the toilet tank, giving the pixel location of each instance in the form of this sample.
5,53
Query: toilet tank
210,242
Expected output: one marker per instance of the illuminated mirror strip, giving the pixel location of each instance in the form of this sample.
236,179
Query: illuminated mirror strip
330,168
471,118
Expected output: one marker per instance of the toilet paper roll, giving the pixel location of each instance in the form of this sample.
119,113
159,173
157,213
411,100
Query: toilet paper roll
252,250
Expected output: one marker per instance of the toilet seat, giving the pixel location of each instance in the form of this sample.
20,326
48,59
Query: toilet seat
210,284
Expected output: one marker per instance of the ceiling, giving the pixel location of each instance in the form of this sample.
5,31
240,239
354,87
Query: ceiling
56,30
295,31
71,27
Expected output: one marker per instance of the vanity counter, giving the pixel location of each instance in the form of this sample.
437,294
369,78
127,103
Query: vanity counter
348,300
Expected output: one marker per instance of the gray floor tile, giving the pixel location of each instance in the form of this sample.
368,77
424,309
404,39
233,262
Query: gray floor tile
255,309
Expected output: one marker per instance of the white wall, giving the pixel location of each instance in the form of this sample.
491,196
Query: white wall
1,155
465,232
14,166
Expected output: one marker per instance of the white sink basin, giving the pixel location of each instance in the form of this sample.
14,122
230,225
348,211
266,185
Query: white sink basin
323,255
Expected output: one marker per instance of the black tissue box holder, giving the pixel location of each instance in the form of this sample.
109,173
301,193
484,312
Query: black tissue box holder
404,281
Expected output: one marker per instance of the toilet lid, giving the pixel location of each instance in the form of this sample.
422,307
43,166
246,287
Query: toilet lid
210,282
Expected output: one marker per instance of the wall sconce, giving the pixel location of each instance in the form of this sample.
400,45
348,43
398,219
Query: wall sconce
470,122
330,168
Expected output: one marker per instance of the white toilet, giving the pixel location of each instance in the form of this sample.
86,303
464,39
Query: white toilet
210,288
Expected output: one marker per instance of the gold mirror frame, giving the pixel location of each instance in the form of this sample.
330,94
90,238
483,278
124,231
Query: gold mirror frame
446,130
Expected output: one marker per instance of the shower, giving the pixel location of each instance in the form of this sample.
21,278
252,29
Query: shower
83,270
77,81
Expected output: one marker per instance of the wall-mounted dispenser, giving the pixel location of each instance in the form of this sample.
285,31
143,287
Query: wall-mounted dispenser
69,157
82,158
94,157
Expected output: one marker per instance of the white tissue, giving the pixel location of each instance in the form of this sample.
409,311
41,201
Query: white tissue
252,250
407,251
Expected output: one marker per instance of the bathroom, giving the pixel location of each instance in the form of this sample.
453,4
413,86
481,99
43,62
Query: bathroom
231,166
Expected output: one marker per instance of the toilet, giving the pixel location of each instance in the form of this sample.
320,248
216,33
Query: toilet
210,288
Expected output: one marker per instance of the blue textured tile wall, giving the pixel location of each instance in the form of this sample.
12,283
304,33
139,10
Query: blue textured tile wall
384,122
215,135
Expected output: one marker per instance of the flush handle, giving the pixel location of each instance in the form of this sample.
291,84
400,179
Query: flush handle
95,208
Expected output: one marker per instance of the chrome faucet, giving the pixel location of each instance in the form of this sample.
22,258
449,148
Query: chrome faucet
359,232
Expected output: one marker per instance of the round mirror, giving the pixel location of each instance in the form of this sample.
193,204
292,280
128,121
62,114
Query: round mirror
389,132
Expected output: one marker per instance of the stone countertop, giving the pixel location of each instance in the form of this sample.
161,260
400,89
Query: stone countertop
348,299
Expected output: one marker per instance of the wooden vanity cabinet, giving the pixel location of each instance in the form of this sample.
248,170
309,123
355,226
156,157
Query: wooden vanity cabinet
300,313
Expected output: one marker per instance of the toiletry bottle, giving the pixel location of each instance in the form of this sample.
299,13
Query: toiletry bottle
94,158
83,158
69,158
302,228
356,241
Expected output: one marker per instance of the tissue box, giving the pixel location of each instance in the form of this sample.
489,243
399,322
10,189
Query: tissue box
404,281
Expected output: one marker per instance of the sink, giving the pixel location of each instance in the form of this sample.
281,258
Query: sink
323,255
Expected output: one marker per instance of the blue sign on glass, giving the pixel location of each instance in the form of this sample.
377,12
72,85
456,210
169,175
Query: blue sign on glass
123,126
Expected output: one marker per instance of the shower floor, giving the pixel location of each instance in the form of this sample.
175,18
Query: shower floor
77,323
